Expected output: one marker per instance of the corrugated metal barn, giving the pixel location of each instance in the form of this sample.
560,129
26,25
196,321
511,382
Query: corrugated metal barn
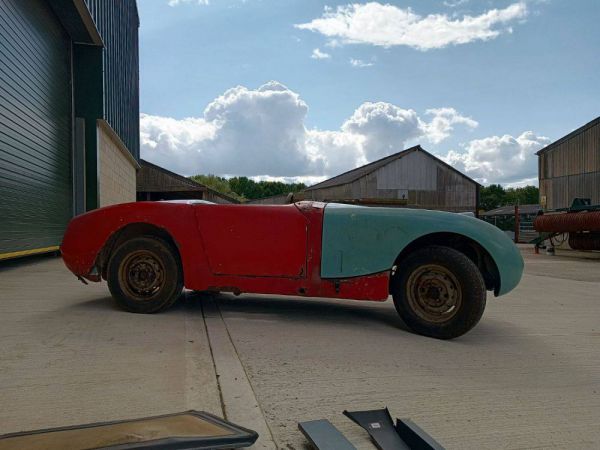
69,116
157,183
570,168
411,178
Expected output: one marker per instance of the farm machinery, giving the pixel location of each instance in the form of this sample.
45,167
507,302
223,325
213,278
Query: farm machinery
580,224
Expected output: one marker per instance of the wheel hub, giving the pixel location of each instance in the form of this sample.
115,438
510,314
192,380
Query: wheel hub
142,273
434,293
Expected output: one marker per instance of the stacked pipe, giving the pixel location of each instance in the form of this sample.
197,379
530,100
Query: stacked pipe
583,228
568,222
584,241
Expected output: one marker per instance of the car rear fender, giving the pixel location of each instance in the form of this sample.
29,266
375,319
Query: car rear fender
91,237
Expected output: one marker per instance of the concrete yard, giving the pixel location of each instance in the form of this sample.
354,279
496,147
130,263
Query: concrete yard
528,376
68,356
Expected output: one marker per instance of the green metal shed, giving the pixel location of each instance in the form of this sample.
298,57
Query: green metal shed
35,128
68,101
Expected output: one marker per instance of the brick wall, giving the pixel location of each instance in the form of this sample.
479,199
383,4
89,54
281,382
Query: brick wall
117,172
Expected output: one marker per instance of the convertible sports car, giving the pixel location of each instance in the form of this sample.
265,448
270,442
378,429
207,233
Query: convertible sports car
436,265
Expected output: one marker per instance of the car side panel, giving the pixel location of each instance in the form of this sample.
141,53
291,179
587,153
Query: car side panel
358,241
371,287
254,240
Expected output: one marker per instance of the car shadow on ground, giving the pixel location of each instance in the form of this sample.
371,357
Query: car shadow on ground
309,310
313,310
364,314
97,304
187,303
517,346
488,332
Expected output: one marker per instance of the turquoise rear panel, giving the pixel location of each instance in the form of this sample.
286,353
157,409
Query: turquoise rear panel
363,240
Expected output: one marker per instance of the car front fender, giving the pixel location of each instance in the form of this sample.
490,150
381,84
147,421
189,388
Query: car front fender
360,240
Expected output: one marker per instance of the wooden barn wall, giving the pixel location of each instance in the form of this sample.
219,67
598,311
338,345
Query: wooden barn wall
274,200
423,181
215,198
413,171
157,182
571,169
152,180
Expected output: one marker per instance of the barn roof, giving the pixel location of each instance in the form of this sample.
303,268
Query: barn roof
510,209
171,182
359,172
571,135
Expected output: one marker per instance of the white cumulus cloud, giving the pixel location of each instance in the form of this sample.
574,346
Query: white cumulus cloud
443,121
360,63
500,159
318,54
455,3
262,133
243,131
384,125
388,25
180,2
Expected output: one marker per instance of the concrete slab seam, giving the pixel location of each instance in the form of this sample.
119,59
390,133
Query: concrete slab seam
212,357
239,399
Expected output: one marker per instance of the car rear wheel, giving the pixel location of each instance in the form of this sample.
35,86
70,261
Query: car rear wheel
144,275
439,292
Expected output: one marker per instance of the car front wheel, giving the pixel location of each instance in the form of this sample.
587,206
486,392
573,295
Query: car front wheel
144,275
439,292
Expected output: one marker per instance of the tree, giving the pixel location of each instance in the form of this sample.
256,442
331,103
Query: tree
528,195
243,188
253,190
491,197
218,184
494,196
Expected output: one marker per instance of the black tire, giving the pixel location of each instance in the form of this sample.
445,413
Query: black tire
144,275
439,292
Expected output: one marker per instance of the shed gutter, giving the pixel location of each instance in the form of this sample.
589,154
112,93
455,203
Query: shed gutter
77,20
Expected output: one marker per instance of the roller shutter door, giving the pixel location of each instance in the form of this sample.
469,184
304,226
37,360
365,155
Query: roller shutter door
35,128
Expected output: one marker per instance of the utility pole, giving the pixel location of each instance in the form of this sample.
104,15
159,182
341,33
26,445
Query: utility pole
517,222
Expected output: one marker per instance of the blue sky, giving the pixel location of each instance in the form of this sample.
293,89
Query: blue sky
483,84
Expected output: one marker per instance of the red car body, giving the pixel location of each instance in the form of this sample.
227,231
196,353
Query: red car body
227,248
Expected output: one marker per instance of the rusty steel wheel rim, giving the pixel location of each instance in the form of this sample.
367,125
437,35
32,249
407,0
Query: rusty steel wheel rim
142,275
434,293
